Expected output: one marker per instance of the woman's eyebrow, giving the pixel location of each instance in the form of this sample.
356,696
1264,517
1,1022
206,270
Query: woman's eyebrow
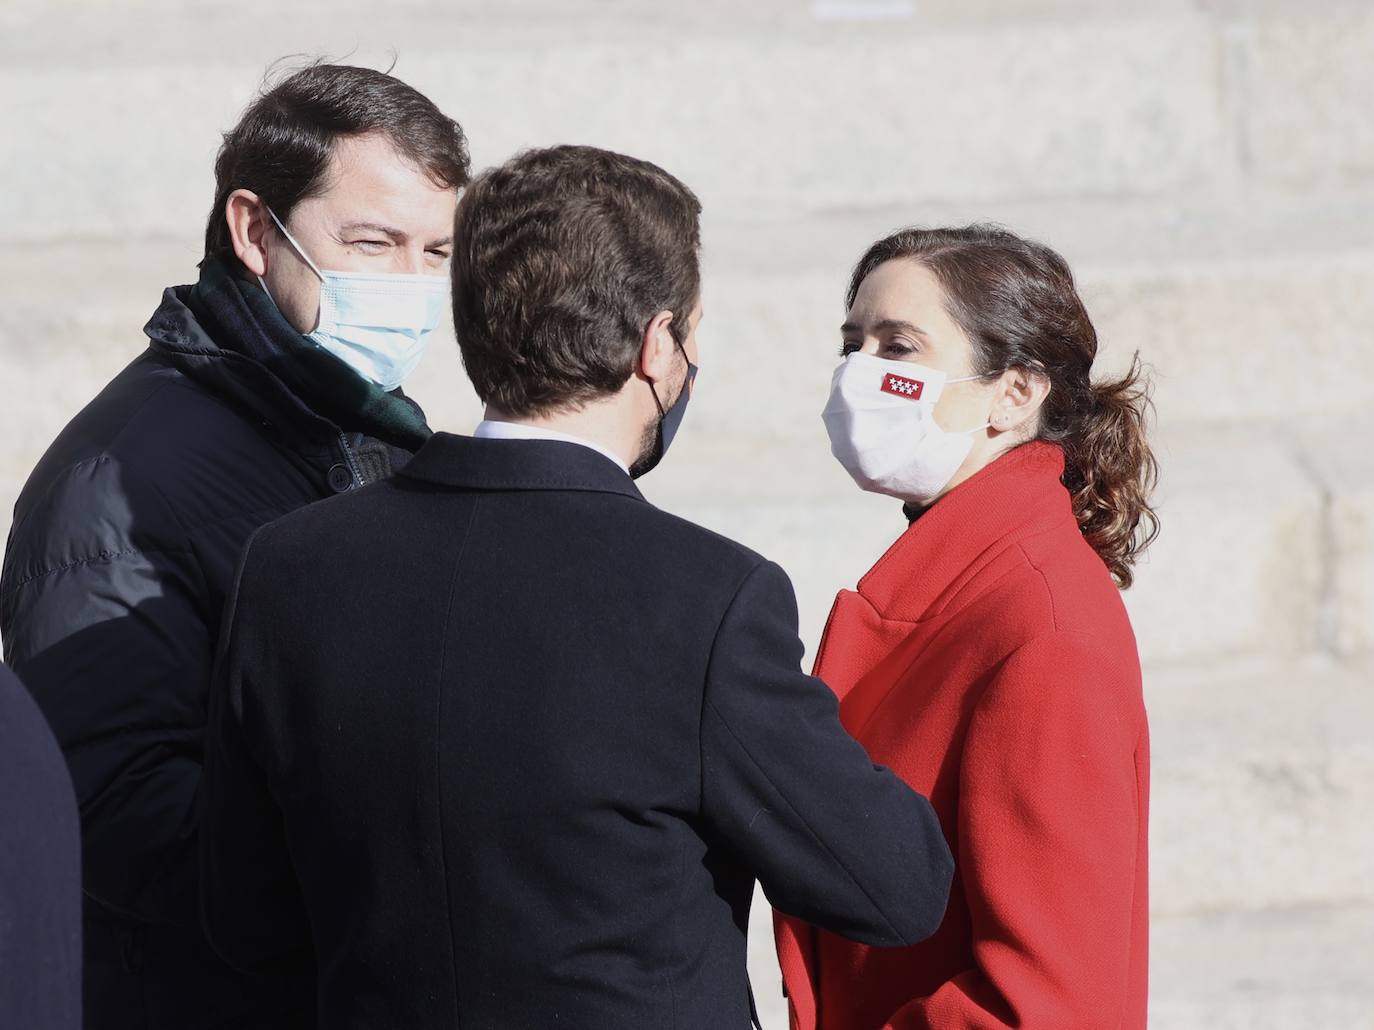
898,325
886,325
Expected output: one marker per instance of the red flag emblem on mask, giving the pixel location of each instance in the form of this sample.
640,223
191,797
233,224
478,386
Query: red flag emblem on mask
902,387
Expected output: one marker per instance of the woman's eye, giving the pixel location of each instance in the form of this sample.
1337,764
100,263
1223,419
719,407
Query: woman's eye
848,347
899,347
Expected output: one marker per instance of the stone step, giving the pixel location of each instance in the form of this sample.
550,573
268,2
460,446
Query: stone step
1263,782
607,15
1305,968
1275,970
766,108
804,111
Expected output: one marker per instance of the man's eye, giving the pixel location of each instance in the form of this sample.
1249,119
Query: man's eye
371,246
441,255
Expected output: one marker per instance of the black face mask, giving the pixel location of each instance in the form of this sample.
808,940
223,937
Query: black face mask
668,423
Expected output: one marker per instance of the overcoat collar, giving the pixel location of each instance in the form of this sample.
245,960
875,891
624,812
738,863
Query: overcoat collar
483,464
1017,496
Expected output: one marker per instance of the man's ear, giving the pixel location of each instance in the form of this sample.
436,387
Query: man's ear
1019,397
657,351
248,220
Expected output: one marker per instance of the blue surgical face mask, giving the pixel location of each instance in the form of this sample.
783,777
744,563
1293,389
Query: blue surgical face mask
378,324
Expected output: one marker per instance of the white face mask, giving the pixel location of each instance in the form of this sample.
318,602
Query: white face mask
378,324
881,421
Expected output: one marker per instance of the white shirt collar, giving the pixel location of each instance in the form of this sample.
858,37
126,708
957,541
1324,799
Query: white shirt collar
488,429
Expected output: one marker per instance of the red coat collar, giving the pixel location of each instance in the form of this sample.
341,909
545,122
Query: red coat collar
1018,495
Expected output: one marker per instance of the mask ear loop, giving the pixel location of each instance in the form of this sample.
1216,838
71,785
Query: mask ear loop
661,413
976,429
686,384
294,245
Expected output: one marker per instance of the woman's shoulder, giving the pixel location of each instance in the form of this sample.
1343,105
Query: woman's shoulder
1059,621
1052,581
1078,591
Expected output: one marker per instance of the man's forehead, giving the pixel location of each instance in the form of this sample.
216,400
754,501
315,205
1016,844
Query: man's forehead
369,181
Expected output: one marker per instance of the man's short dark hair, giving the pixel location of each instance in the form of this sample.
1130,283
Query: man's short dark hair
561,259
280,148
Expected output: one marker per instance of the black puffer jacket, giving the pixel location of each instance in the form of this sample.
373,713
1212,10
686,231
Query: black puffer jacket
124,544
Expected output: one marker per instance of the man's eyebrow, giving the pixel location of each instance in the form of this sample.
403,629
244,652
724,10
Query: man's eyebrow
396,235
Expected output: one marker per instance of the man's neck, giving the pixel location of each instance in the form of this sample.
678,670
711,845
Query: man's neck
604,424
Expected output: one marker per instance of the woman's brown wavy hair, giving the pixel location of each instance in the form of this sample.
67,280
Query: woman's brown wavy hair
1016,300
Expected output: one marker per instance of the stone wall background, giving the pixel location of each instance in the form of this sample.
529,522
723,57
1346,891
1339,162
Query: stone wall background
1207,166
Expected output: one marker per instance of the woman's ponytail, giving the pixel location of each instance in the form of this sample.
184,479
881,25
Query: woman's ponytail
1111,471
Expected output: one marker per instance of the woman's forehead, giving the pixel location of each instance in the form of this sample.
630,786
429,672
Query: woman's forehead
900,290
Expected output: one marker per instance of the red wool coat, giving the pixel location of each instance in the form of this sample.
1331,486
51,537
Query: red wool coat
987,659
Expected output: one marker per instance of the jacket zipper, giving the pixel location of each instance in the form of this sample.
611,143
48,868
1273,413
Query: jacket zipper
348,458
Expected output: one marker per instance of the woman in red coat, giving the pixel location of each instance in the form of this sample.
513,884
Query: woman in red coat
987,657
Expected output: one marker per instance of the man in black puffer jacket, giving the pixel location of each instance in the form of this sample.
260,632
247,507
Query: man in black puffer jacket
269,384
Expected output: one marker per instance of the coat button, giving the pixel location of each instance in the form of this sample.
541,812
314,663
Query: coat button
340,479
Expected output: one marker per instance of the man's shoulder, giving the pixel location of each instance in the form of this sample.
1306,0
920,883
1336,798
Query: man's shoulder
122,474
393,512
154,416
85,496
701,541
147,412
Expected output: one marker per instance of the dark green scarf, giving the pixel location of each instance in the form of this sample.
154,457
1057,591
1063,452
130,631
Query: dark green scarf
241,317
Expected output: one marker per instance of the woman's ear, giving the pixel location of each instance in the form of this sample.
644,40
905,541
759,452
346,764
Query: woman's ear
1019,396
